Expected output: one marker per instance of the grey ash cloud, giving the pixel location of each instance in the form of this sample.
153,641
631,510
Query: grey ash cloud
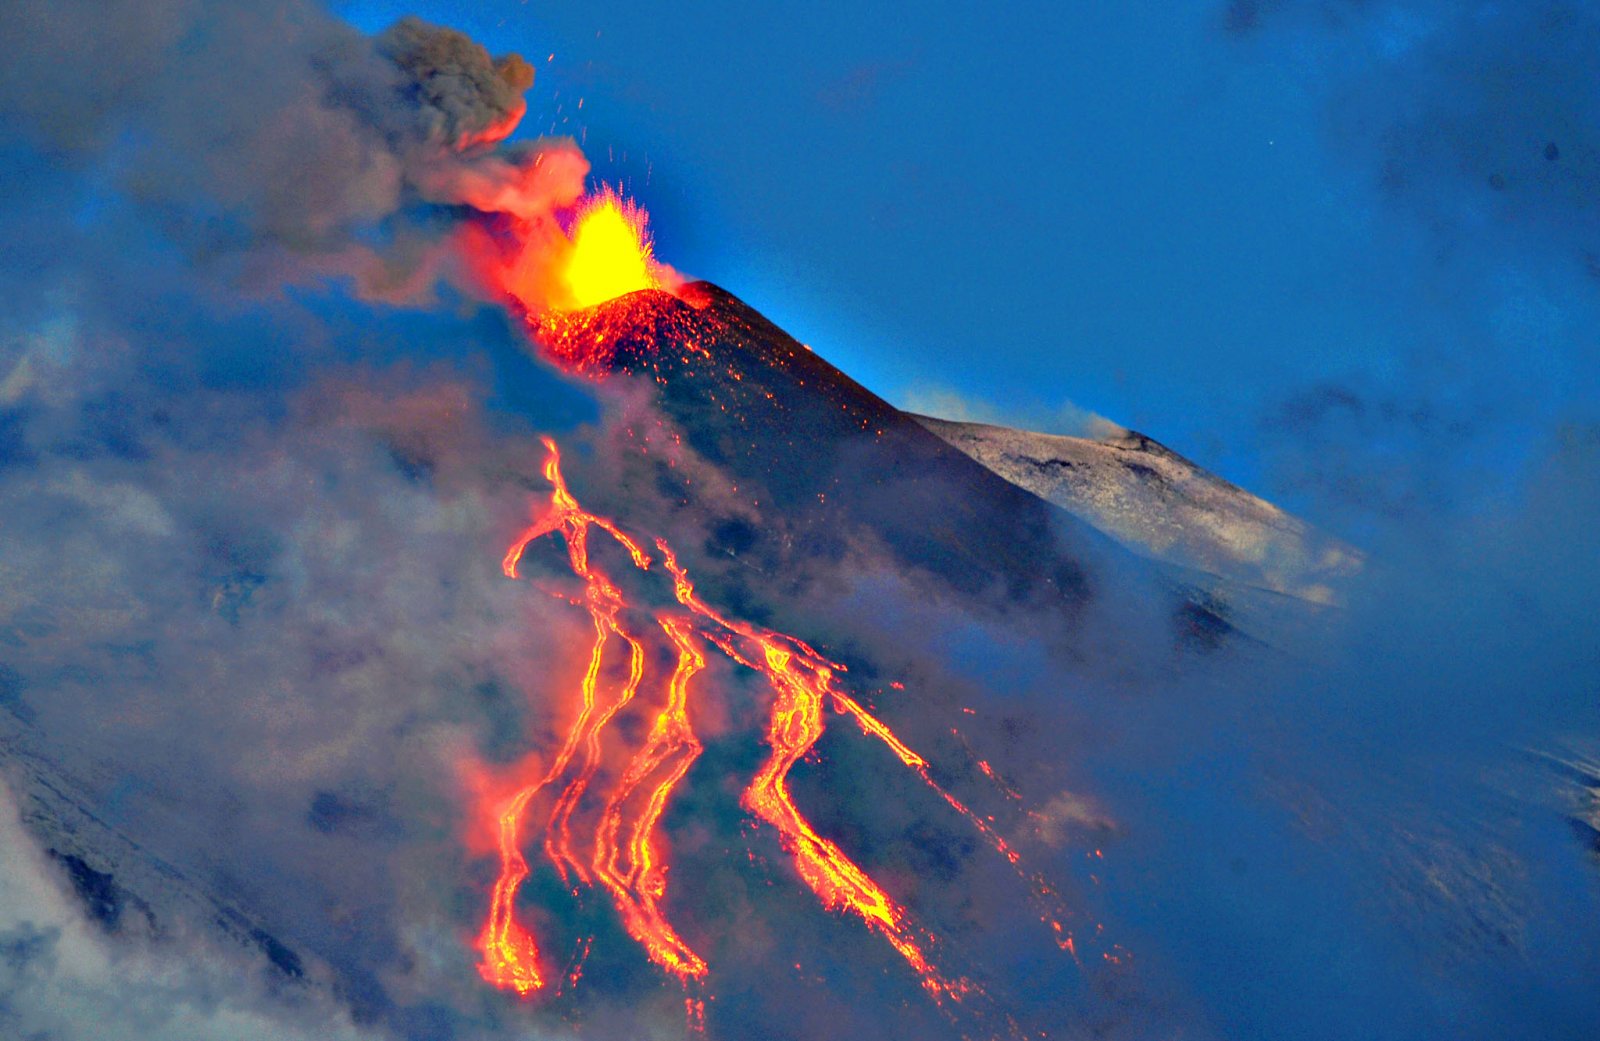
251,599
455,88
270,142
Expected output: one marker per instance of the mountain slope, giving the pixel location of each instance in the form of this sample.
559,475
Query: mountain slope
126,887
824,461
800,479
1077,770
1160,504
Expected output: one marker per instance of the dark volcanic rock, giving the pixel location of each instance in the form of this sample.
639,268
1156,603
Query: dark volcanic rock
282,958
826,456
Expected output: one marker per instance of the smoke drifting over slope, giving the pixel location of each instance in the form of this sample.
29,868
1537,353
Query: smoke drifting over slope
63,978
271,143
251,599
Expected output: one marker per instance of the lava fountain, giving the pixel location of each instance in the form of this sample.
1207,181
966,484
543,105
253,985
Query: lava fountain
545,266
611,253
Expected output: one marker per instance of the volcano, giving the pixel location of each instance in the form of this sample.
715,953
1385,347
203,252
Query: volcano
821,460
427,616
776,768
805,507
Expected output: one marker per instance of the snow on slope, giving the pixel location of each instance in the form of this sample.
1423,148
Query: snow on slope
1162,505
126,888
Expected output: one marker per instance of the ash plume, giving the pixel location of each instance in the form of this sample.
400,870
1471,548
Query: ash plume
461,95
273,143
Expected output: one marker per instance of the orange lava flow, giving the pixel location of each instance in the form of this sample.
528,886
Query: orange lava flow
802,681
669,751
508,951
510,955
624,855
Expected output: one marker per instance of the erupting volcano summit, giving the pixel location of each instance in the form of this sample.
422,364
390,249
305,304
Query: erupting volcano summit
790,428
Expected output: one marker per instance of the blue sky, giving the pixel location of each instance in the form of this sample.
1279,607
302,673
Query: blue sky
1173,214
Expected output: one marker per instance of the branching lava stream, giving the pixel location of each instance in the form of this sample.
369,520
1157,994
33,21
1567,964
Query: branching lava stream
623,854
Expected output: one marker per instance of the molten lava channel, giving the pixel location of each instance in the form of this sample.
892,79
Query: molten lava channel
623,853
